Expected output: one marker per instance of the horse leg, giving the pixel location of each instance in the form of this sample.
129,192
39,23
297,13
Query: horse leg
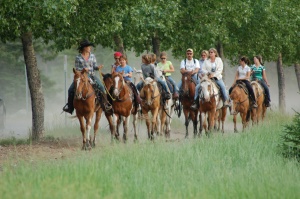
194,119
187,121
125,125
154,119
244,122
115,125
134,122
158,124
201,116
146,116
82,129
111,126
234,123
163,123
88,126
96,126
224,112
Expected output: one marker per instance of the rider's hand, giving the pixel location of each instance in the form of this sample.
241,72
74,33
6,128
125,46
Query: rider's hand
100,66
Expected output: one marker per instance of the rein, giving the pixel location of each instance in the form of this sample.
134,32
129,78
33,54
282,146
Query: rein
88,90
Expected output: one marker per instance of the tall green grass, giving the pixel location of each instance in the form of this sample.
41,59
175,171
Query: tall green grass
243,165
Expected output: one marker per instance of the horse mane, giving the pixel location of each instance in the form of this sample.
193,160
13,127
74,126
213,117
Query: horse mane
148,80
107,75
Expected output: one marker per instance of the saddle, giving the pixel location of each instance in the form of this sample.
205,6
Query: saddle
242,85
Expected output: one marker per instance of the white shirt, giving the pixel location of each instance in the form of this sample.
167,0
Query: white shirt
243,71
214,68
189,65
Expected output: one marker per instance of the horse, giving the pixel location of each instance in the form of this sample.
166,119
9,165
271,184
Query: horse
151,97
123,106
211,106
85,105
186,98
240,104
260,98
166,111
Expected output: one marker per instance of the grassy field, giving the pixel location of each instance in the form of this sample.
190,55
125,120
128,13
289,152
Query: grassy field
242,165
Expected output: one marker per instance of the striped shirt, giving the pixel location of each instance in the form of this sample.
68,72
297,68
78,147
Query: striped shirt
257,72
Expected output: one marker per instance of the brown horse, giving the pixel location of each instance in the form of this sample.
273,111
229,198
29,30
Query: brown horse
151,102
240,104
261,109
211,106
186,98
85,106
123,105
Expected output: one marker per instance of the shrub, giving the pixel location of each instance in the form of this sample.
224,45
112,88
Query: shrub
291,139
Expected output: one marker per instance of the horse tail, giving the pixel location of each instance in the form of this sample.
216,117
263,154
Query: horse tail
248,116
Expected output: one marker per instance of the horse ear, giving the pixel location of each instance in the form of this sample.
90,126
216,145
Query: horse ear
74,71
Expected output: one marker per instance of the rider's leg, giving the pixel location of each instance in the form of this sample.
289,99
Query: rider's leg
251,93
195,104
139,86
136,93
267,93
164,85
69,108
223,90
176,90
106,106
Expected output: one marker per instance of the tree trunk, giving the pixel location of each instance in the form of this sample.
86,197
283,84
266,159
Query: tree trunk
119,44
281,83
221,54
35,87
156,47
297,71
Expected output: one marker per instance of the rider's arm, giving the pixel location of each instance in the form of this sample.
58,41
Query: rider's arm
264,75
171,69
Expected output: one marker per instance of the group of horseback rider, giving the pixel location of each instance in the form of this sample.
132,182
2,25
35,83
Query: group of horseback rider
210,64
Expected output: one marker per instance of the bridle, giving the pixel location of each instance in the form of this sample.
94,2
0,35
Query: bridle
152,95
211,91
79,94
120,89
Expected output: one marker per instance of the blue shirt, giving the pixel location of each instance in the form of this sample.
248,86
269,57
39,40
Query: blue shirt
127,69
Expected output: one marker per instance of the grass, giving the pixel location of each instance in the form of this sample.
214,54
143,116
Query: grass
243,165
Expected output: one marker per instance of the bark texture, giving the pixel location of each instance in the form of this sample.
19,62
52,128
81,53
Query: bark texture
297,71
281,84
35,87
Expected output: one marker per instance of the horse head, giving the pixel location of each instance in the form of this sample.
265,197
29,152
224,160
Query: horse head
238,98
149,91
186,81
80,82
118,83
107,79
206,88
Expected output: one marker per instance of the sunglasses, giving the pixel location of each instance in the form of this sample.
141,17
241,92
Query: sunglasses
189,53
117,57
163,58
203,55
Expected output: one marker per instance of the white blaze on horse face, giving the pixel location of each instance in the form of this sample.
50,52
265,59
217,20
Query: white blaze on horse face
116,85
205,91
185,78
78,82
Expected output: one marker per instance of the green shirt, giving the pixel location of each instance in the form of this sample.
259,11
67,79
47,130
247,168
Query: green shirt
257,72
165,66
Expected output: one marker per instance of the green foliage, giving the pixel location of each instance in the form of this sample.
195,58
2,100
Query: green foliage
290,146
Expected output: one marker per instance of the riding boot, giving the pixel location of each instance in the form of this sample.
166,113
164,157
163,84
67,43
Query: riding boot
106,106
136,94
253,103
195,105
175,95
69,107
227,103
167,95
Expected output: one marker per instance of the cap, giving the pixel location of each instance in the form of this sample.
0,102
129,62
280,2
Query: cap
117,54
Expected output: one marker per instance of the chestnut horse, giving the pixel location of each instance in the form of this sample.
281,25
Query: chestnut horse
85,105
261,109
151,97
211,106
187,98
240,104
123,105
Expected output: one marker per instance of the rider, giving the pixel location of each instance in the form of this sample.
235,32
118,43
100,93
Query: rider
167,68
85,60
259,73
243,74
117,56
148,70
189,64
127,76
195,104
213,67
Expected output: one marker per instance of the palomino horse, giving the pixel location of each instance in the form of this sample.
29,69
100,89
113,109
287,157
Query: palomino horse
240,104
187,97
260,98
150,102
123,105
85,106
211,106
